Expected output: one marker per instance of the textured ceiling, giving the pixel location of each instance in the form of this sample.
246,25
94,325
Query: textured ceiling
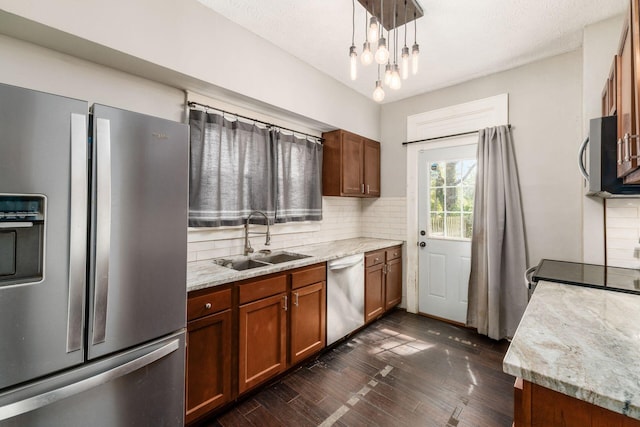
459,39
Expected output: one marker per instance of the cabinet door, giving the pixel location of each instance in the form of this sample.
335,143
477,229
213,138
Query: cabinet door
308,326
372,168
352,171
208,364
393,283
633,177
373,292
262,340
626,107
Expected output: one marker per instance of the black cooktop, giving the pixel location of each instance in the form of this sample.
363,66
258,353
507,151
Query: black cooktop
589,275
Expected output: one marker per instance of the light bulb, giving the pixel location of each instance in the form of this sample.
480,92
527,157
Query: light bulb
382,54
395,82
378,93
367,56
372,34
353,57
415,53
388,69
404,67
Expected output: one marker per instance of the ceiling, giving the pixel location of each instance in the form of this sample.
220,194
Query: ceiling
459,39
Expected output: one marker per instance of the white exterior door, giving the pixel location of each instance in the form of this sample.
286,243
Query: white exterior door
445,217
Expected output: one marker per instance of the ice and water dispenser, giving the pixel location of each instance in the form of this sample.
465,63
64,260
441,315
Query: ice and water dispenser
22,224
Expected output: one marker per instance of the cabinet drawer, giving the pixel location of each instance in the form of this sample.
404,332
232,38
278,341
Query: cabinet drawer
209,303
309,275
394,253
255,290
373,258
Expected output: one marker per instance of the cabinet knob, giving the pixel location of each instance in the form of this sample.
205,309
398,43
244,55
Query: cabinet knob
207,306
376,260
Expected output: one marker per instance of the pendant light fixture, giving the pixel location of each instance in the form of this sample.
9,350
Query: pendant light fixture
382,53
395,82
373,30
415,50
376,48
367,55
404,65
378,93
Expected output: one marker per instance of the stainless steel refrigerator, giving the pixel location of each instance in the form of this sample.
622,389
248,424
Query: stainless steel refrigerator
93,223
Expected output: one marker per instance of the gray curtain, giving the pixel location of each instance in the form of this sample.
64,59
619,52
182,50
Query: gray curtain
299,178
232,170
497,297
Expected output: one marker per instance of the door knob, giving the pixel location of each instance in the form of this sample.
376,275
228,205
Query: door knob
422,244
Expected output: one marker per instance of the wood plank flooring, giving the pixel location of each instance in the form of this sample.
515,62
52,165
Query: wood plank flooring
403,370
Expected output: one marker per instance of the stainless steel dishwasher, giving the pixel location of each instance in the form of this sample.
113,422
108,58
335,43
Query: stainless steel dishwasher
345,296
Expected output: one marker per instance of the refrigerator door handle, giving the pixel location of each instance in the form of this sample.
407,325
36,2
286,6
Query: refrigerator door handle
49,397
78,232
103,229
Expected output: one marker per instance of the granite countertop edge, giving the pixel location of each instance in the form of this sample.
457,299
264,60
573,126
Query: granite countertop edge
556,349
208,274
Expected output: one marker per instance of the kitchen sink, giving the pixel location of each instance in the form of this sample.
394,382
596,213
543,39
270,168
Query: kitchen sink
258,261
280,257
246,264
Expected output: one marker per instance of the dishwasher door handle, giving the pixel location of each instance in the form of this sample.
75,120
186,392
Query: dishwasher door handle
341,266
346,262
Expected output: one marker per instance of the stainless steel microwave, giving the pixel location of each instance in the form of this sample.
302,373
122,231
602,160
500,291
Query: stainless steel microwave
601,175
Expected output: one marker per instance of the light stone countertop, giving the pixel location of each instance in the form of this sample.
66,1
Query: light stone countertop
581,342
205,275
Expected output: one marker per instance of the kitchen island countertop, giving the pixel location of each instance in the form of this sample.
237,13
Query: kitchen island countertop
207,273
582,342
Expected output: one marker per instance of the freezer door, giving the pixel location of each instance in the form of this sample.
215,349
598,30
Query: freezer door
43,157
138,229
141,387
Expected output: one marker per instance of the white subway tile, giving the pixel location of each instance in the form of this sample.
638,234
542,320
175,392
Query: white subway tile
622,212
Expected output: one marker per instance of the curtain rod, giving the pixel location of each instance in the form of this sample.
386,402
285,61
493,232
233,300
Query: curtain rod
445,136
270,125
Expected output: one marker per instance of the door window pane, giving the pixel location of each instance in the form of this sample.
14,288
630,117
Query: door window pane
452,189
437,225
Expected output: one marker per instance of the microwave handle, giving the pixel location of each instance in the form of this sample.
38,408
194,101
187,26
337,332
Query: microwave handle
583,169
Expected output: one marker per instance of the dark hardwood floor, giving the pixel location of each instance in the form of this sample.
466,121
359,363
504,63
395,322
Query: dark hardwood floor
403,370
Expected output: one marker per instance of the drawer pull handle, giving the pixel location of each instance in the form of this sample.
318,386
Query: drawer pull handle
207,306
376,260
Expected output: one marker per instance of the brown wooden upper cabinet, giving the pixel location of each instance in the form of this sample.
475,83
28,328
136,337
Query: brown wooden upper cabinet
627,97
351,165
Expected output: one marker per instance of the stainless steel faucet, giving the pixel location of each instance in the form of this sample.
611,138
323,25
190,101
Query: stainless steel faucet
247,244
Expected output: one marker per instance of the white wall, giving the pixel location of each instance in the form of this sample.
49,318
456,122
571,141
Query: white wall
175,39
27,65
546,113
600,43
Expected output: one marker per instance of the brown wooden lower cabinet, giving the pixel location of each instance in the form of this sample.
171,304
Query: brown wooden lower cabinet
539,406
393,285
308,321
382,282
208,367
373,291
262,340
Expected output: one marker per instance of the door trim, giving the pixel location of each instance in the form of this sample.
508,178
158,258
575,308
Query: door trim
470,116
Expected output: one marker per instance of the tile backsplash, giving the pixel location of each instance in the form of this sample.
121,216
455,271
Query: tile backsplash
343,218
623,232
